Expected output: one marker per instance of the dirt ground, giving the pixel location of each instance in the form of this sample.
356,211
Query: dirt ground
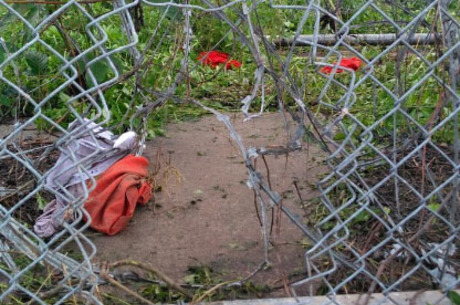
204,214
208,217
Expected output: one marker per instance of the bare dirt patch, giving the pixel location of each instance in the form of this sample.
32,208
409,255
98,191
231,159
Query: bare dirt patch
208,217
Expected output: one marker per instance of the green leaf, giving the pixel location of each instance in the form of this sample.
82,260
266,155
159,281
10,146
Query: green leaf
64,98
100,70
433,206
363,216
126,91
4,101
190,279
289,24
81,62
117,63
2,54
454,297
339,136
41,202
37,62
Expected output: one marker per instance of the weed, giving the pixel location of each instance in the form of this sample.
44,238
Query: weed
214,289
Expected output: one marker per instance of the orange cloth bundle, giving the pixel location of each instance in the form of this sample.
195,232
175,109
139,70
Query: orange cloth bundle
112,203
352,63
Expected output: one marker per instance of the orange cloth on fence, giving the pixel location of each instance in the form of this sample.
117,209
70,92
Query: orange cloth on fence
111,204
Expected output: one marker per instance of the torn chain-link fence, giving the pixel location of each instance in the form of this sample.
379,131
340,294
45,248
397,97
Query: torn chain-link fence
389,126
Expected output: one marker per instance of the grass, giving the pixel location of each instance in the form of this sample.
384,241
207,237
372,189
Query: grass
38,69
36,279
202,283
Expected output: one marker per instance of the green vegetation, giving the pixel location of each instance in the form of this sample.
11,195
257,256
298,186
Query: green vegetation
39,279
454,297
38,70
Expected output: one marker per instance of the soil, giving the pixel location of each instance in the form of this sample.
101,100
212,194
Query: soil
205,214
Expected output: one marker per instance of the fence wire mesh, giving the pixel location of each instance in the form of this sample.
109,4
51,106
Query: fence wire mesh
390,128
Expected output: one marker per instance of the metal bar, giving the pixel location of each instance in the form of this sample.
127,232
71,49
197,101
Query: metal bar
360,39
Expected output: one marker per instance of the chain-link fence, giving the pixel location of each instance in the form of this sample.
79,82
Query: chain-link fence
375,84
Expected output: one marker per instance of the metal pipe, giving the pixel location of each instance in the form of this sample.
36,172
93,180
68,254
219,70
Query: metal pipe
356,39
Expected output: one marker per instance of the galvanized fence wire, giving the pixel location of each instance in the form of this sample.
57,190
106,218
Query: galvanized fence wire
392,165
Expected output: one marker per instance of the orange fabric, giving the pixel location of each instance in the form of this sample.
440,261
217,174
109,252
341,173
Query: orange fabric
352,63
111,204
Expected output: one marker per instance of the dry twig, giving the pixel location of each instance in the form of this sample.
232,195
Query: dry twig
171,283
109,279
197,300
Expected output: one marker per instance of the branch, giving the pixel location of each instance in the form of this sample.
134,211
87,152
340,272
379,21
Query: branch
356,39
155,271
125,289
